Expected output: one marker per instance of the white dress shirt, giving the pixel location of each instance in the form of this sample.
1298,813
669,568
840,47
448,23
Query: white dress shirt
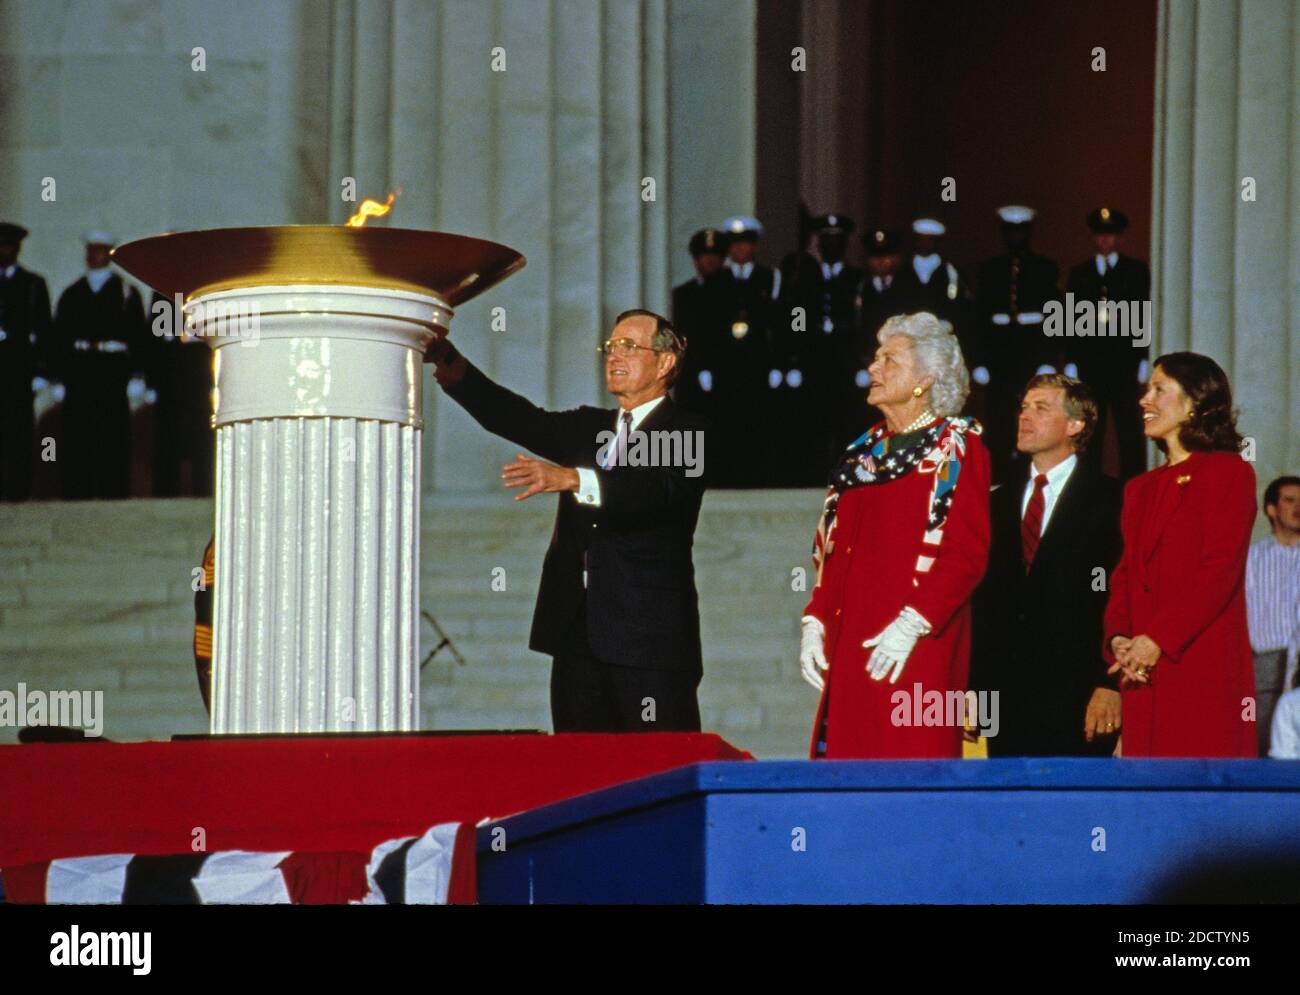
831,271
1105,263
1272,595
1056,478
588,482
740,271
1284,743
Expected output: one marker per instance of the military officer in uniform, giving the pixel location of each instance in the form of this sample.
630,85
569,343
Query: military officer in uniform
1011,292
816,355
180,373
99,341
24,332
744,359
1113,366
932,281
699,315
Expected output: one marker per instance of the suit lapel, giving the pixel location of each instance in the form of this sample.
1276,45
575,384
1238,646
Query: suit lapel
1064,512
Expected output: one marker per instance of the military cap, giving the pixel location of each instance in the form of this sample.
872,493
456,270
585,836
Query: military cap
881,242
1105,220
829,224
708,241
743,226
1016,214
11,233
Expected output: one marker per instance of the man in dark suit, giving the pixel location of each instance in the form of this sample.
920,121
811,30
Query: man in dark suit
1038,611
1112,365
617,608
24,335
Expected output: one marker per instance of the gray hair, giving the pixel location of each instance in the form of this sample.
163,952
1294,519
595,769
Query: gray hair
937,354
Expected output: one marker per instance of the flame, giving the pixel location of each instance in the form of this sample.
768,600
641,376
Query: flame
372,209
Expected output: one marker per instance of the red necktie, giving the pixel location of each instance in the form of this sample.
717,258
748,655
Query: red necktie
1032,524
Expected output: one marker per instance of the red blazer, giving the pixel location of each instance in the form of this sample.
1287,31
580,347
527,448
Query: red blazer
1181,581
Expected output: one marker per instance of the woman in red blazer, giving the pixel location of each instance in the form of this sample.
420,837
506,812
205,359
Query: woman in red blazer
903,541
1176,619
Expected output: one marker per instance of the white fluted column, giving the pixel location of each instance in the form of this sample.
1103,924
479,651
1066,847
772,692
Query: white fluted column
318,415
1226,210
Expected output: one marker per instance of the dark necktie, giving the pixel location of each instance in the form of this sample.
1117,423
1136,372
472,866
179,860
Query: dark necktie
617,454
1032,524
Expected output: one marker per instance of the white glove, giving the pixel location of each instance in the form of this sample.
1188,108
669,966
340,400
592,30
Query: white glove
812,652
39,384
1144,371
862,379
894,644
774,379
980,375
706,380
1072,370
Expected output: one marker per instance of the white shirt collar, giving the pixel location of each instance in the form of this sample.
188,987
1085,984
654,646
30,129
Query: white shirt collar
1104,262
831,270
1056,478
9,270
98,277
741,272
639,412
881,283
926,265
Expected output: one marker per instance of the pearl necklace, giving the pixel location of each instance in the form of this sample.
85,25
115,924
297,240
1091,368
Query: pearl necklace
926,417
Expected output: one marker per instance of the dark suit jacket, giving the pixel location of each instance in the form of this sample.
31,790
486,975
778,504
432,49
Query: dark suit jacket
642,607
1037,638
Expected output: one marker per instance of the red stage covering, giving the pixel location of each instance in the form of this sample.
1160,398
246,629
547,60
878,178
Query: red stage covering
317,794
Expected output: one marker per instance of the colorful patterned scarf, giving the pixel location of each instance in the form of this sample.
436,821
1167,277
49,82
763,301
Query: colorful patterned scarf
879,457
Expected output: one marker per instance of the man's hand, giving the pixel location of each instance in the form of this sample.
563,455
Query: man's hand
538,477
1102,717
448,363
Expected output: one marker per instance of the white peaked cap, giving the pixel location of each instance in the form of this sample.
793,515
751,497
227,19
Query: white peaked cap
928,226
98,237
740,223
1017,214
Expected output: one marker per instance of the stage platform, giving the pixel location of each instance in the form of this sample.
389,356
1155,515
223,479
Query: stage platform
996,831
310,793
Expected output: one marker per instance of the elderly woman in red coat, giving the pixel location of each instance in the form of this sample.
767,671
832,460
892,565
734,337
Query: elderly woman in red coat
902,544
1175,623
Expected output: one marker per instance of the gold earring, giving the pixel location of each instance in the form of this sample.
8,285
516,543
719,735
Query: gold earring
917,392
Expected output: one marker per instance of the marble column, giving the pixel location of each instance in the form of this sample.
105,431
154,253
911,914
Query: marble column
1226,257
541,123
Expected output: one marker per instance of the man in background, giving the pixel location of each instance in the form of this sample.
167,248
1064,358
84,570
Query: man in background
24,334
99,345
1273,600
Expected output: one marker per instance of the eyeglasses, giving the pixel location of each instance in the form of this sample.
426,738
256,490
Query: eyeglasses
623,347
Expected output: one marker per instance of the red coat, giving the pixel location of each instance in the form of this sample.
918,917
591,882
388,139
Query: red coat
1181,581
869,578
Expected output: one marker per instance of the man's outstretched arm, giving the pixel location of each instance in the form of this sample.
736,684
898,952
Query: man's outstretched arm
553,435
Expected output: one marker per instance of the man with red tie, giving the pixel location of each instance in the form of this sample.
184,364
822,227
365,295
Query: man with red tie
1038,612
